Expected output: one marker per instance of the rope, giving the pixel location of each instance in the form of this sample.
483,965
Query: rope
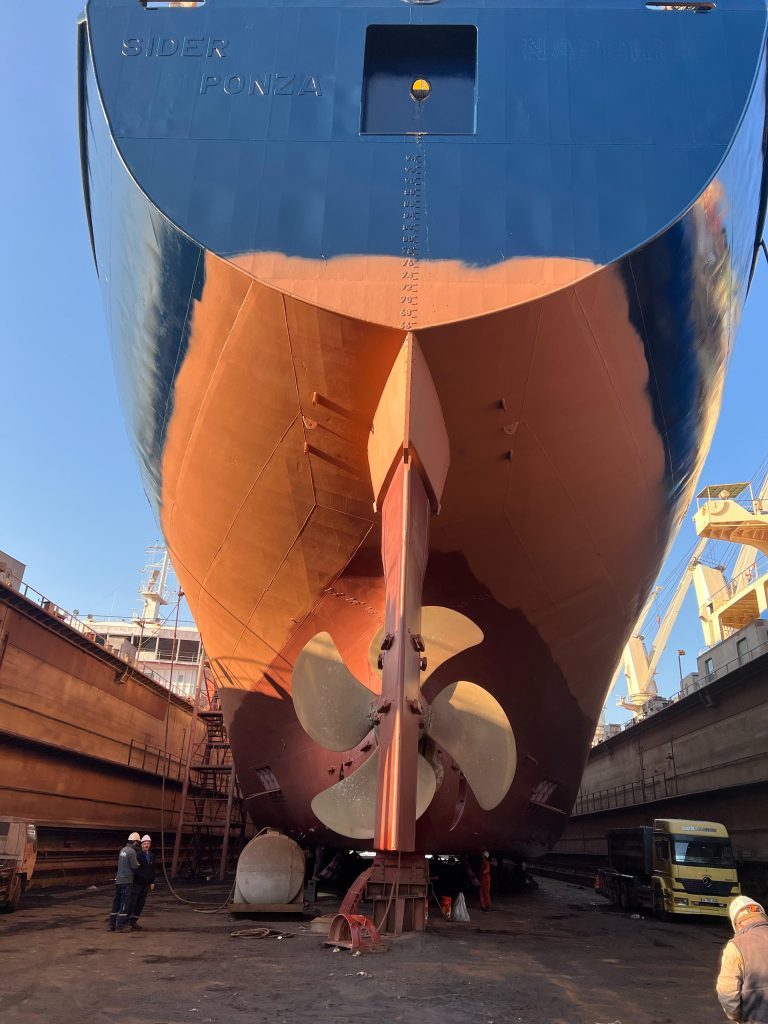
394,886
260,933
200,906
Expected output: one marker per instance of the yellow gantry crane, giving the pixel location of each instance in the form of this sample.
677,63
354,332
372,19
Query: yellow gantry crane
726,512
639,666
731,512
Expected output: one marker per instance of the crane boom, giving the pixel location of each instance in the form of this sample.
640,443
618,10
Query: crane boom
638,626
673,610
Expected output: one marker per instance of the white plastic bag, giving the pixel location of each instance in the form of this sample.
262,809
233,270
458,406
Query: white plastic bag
459,911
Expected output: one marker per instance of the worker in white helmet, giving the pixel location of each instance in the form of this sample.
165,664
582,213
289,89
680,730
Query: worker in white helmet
143,881
742,986
127,863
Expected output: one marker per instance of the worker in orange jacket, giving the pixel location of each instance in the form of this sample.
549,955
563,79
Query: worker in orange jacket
485,881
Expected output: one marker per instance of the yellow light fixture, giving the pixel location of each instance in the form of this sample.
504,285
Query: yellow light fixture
420,89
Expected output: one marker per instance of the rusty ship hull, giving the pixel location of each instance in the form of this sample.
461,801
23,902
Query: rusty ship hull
272,221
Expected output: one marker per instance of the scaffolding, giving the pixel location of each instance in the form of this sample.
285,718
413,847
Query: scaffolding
211,828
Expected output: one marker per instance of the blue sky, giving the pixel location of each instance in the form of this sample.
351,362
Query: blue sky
71,506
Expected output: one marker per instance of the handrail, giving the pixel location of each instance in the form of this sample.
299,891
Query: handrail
740,583
654,787
724,670
757,506
142,750
137,619
163,761
700,683
85,629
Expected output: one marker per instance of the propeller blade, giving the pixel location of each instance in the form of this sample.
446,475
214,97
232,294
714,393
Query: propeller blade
332,705
349,806
426,784
445,631
470,724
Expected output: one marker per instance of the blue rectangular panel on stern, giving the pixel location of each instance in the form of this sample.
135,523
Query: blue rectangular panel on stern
419,79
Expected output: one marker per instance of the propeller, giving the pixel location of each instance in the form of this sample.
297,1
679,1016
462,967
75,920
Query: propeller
465,720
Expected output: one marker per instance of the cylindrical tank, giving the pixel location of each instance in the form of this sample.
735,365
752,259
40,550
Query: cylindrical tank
270,870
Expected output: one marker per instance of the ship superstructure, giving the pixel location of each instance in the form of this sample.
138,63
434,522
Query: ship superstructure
154,639
421,314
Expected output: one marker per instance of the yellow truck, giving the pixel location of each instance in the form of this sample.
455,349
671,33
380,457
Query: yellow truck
677,867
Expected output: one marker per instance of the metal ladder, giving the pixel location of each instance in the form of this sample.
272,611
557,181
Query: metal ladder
212,819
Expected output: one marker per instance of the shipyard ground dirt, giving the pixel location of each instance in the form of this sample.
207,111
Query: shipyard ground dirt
555,956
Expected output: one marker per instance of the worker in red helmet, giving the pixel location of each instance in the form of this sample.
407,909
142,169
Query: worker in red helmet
742,986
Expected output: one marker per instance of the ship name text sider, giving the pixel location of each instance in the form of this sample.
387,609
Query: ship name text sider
208,47
212,48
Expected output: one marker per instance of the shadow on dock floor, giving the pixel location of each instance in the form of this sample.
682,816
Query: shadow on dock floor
556,956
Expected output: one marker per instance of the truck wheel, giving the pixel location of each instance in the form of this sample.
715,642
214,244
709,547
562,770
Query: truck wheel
657,905
14,894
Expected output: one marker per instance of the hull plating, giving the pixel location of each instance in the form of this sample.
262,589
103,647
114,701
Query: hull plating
576,267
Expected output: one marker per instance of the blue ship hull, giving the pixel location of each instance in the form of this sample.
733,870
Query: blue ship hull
567,221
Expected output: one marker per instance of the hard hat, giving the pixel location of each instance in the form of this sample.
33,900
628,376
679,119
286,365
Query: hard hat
741,905
146,839
134,837
486,854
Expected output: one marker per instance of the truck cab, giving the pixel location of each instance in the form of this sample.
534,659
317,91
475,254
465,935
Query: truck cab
694,871
18,854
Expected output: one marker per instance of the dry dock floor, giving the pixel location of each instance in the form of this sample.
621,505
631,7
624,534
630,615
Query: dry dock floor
555,956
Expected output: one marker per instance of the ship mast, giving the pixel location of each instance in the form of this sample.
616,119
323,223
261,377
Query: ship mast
153,589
